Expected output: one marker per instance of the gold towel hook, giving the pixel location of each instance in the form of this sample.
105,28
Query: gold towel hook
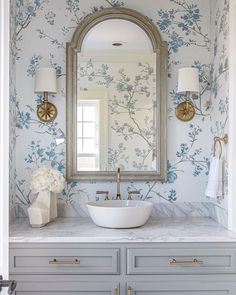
219,140
215,142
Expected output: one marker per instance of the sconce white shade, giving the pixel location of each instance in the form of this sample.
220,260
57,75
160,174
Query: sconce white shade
45,80
188,80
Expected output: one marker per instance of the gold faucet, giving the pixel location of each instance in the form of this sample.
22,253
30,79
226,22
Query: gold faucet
118,196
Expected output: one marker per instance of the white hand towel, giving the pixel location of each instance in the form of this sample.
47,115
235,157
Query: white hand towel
215,180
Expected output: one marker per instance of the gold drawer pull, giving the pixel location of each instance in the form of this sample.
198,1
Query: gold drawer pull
116,291
129,290
56,261
194,261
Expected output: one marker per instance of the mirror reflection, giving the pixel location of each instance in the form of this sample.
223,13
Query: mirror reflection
116,111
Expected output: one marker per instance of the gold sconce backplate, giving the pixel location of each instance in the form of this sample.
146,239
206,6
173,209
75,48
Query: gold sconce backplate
47,111
185,111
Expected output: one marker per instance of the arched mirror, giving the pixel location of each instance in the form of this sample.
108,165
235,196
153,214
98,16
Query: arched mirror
116,98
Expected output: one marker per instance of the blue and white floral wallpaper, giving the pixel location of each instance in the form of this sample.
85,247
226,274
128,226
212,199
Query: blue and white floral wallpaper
12,114
220,82
41,30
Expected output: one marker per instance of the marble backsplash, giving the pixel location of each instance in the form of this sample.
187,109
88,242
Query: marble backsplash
160,210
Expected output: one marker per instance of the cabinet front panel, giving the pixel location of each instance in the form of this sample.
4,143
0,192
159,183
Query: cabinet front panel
180,261
65,293
66,288
181,293
64,261
181,288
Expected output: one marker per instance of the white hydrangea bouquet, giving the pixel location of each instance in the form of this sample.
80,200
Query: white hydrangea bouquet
46,178
46,182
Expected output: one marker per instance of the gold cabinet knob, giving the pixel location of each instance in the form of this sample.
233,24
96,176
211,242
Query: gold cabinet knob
129,290
116,291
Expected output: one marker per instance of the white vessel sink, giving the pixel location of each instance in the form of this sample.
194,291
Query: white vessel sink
119,214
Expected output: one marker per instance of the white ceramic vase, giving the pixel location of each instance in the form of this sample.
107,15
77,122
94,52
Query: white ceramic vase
44,209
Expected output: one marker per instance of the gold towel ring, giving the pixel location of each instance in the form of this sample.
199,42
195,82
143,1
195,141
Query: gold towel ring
219,140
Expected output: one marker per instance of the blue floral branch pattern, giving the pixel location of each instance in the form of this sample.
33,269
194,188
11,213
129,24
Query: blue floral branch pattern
183,24
22,197
25,11
25,120
124,101
117,157
102,74
187,18
38,155
53,40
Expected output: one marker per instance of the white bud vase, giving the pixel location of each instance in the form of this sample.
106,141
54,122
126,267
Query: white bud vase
44,209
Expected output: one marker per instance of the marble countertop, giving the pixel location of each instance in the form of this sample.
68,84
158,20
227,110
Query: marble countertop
82,230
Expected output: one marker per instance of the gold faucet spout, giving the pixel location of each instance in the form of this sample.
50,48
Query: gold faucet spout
118,196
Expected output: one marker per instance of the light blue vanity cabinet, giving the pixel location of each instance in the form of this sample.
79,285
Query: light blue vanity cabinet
124,268
181,288
60,287
65,261
66,288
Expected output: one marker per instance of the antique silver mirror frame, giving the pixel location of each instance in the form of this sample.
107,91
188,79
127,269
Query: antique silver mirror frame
73,47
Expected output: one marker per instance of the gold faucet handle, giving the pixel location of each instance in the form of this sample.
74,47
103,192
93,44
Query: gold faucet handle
103,193
130,193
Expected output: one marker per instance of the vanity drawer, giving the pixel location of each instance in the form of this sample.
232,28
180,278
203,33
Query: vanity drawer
64,261
180,261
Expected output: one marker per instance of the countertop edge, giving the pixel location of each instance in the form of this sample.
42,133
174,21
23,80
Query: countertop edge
172,230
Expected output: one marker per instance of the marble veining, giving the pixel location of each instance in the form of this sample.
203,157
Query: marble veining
82,230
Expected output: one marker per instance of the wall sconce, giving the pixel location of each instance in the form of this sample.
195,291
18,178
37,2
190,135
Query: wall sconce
188,82
46,82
